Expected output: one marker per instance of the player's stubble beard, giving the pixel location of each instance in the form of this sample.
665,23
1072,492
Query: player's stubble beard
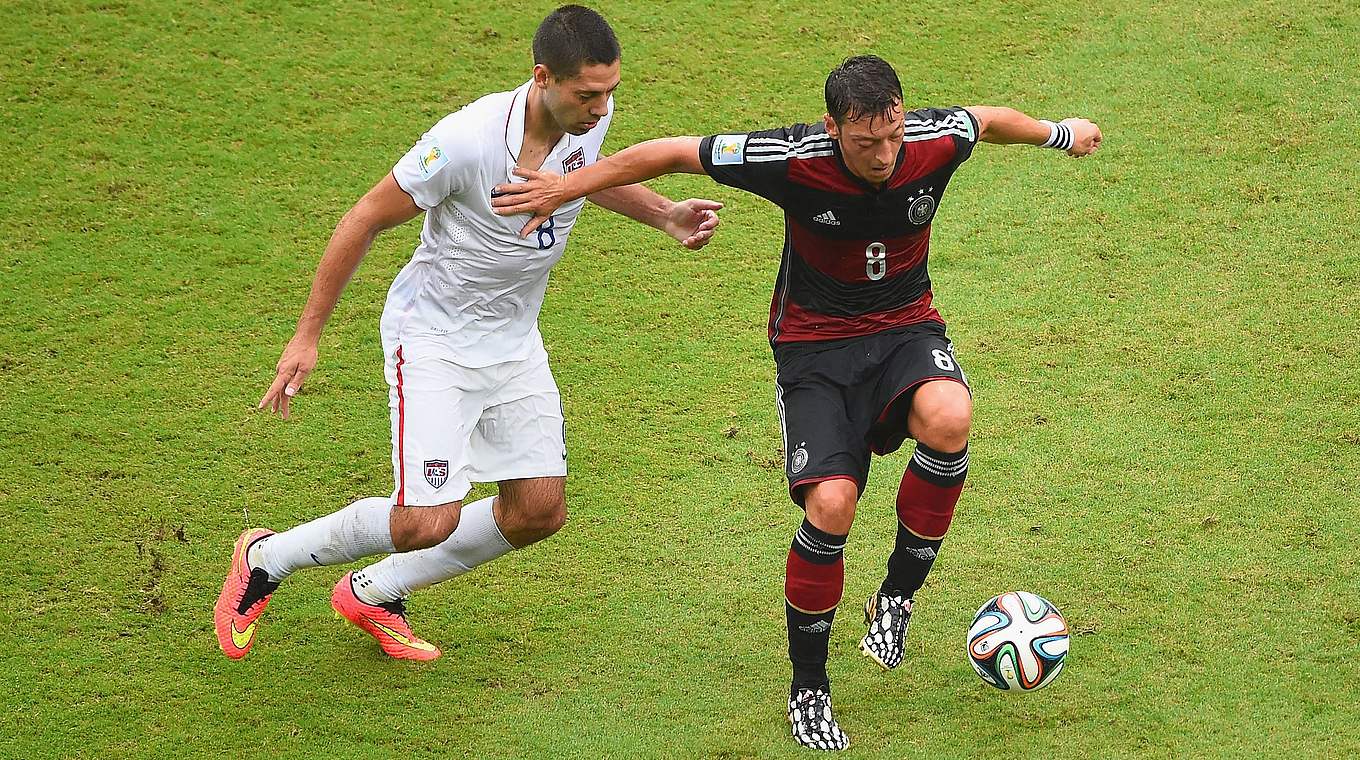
568,118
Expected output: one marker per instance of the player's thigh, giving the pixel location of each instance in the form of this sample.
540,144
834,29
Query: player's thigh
820,440
435,405
522,432
918,382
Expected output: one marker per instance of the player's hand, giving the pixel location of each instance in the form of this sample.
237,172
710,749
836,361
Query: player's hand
693,222
297,362
1085,137
540,194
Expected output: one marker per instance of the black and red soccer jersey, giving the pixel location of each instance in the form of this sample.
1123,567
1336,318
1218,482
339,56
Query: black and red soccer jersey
854,260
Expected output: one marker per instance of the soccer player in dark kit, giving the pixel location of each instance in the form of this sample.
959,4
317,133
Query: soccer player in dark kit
863,361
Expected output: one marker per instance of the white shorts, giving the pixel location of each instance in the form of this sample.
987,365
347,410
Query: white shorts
453,426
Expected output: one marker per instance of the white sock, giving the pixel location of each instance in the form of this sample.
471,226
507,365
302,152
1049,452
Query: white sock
475,541
360,530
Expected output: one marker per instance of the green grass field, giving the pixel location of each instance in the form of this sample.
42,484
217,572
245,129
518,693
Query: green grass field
1162,340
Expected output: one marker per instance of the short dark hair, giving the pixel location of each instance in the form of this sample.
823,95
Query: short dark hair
571,37
864,85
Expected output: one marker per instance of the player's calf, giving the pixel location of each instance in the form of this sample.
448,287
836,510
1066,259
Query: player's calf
925,507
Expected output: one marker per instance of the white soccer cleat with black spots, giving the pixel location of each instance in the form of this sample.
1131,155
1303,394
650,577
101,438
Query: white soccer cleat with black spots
887,617
813,724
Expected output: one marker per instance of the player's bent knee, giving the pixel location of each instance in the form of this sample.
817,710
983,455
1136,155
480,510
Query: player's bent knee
950,429
526,520
548,516
830,505
945,427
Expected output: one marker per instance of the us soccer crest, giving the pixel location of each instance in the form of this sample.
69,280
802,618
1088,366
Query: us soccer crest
577,160
436,472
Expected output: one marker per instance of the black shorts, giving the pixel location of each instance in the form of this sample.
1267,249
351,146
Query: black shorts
839,401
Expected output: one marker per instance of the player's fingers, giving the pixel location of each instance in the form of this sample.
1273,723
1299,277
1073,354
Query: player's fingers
283,404
524,173
703,204
502,194
514,206
533,225
273,391
710,221
294,385
699,239
506,204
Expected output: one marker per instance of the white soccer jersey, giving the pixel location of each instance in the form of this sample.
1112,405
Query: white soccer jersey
473,289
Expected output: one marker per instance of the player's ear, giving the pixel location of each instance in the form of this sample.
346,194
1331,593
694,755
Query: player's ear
831,128
542,77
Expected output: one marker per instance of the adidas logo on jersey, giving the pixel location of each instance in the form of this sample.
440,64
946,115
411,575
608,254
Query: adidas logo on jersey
826,217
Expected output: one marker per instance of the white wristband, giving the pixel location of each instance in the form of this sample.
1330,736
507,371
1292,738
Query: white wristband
1059,136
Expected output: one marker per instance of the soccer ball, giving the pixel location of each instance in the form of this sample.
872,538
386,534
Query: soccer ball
1018,641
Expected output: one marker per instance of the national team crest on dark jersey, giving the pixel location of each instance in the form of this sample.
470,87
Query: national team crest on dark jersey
577,160
436,472
921,209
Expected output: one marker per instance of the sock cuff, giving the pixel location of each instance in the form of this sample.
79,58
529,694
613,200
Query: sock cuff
816,545
939,468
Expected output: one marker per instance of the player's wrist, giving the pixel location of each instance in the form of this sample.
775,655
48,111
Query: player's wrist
570,189
1060,136
307,334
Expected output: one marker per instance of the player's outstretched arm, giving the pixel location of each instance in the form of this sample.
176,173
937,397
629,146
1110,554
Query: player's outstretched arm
1007,126
692,222
383,207
543,192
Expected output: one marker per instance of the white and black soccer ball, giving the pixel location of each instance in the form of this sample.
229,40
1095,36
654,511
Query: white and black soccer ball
1018,641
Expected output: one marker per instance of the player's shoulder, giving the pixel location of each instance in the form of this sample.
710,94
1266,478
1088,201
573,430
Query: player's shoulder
787,143
793,133
940,122
479,115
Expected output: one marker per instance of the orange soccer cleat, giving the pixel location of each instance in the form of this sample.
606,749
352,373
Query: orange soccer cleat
384,622
245,594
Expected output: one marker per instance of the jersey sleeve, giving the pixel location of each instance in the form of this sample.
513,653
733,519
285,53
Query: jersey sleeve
440,164
756,162
955,122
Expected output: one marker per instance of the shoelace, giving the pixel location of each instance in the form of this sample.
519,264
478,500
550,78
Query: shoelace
812,702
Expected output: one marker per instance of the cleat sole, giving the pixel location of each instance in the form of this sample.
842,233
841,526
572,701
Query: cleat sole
867,652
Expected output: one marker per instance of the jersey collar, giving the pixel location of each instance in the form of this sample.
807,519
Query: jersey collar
869,186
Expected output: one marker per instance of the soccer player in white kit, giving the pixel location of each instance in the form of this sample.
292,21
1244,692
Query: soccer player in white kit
472,398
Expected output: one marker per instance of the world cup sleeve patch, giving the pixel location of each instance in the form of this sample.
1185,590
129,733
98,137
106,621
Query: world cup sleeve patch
431,160
729,149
